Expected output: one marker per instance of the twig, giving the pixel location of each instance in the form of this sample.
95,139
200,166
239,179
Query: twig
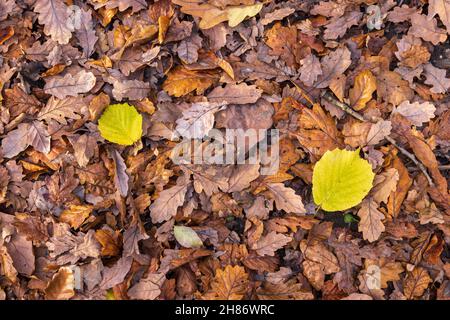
444,167
413,159
331,99
327,96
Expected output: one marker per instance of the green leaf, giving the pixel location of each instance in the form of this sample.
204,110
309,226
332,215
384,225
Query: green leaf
121,124
187,237
341,179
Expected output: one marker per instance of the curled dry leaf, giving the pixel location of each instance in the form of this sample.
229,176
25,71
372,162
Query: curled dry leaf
61,287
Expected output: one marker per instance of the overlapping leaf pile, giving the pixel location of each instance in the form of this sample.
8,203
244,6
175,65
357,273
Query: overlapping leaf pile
85,218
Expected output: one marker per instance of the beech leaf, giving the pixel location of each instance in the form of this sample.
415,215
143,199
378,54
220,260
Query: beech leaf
341,179
121,124
187,237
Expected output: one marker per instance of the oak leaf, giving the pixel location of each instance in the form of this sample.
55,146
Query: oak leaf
286,199
198,120
310,69
235,94
333,65
283,43
384,184
436,78
75,215
416,112
59,110
55,16
228,284
416,282
427,29
268,244
181,81
393,88
148,288
371,224
166,205
441,8
70,85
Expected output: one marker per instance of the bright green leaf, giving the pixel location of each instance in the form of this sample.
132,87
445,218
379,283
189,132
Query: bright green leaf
341,179
187,237
121,124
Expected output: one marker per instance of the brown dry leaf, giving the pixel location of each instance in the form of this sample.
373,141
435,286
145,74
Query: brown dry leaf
283,43
338,26
436,78
416,282
109,241
333,65
70,85
378,131
276,15
315,273
404,183
54,14
148,288
310,69
286,199
235,94
416,112
166,205
75,215
228,284
181,81
441,8
318,132
317,252
393,88
384,184
61,287
371,224
361,93
427,29
389,270
270,243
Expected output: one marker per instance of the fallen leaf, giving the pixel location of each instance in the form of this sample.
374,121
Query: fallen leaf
361,93
416,283
228,284
286,199
341,179
61,287
235,94
121,124
187,237
270,243
371,224
55,16
70,85
416,112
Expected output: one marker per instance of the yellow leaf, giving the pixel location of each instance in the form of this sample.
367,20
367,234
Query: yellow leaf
163,22
237,14
341,179
121,124
361,93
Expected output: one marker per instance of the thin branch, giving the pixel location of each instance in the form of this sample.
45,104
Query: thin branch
331,99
